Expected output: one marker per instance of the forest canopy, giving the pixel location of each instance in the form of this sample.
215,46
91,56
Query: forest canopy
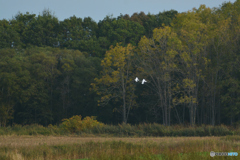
51,69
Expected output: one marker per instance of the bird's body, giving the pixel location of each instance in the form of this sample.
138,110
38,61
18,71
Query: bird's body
136,79
143,81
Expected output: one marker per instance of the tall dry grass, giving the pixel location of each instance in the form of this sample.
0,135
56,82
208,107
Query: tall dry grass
64,147
117,142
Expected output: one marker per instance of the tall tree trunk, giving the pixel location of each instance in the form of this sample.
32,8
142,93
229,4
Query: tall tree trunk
165,105
124,100
219,111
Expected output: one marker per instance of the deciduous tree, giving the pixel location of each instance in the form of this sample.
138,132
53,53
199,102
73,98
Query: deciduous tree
117,79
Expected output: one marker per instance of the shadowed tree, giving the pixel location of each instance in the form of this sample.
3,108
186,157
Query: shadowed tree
157,60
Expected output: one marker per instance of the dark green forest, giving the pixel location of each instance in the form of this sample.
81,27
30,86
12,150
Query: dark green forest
51,69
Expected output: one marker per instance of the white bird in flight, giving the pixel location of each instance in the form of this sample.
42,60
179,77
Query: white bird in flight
136,79
143,81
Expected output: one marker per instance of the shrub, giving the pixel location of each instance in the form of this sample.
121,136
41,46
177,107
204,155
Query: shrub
200,131
221,131
108,129
76,124
188,132
90,122
127,129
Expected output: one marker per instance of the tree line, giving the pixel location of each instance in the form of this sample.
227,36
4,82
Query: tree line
53,69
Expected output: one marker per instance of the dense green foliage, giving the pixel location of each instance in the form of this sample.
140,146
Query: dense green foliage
51,69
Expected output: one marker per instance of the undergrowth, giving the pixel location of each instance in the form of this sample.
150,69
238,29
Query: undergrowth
121,130
90,126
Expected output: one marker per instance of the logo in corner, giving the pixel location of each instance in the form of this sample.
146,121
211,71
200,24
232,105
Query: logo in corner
212,153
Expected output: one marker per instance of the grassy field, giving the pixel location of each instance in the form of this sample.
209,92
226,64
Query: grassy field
75,147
